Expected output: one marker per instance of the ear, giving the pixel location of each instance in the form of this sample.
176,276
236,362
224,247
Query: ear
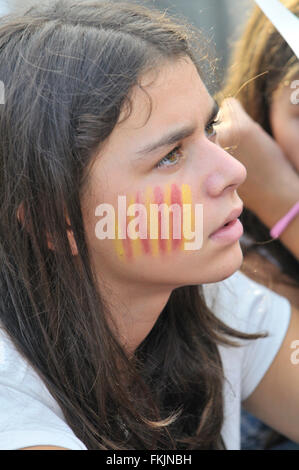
70,234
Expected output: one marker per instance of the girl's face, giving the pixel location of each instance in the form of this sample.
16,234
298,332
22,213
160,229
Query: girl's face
284,120
172,158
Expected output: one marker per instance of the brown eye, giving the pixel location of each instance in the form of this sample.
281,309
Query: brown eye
172,159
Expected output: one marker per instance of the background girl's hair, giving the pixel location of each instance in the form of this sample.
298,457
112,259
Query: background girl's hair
68,69
264,60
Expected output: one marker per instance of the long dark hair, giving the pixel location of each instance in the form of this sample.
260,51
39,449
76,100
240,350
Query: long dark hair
261,62
68,69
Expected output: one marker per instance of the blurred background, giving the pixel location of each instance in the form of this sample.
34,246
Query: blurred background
221,20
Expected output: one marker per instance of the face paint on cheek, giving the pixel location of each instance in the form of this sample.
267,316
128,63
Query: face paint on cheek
167,201
131,240
122,243
123,247
177,222
159,199
193,221
188,213
153,228
142,242
135,242
158,225
118,244
168,224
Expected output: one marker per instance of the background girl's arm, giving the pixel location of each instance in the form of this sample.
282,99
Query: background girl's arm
275,400
272,185
275,205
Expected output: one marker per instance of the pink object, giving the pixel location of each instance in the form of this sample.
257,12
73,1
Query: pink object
284,222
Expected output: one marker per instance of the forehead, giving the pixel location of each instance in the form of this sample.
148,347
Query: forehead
175,94
175,90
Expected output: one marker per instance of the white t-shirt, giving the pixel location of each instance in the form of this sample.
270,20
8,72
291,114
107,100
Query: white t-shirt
29,416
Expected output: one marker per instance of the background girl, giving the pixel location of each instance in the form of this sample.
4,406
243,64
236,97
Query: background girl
265,135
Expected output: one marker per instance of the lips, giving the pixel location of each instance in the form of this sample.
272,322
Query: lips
235,214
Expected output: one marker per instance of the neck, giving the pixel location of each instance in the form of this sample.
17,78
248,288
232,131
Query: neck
134,309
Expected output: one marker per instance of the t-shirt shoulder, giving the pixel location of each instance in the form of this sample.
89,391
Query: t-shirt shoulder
29,415
249,307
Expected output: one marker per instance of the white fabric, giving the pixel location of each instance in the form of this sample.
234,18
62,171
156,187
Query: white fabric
4,7
251,308
29,416
284,21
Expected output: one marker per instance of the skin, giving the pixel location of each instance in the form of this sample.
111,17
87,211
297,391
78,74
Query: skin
137,291
284,119
145,231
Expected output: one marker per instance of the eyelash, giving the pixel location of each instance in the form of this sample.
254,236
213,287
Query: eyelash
178,148
212,125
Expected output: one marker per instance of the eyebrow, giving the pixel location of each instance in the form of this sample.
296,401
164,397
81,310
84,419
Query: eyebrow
176,135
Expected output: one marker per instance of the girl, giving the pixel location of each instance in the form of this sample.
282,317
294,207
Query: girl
263,76
123,343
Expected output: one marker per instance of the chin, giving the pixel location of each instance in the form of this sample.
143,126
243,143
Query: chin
232,264
226,265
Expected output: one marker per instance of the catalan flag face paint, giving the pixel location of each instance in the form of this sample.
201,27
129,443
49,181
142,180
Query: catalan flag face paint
156,222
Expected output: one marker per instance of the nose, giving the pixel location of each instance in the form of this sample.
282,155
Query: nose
227,174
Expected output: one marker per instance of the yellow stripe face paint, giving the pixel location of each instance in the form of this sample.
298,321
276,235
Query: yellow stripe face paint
157,222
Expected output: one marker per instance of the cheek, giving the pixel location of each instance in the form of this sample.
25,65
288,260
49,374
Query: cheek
153,223
292,141
286,134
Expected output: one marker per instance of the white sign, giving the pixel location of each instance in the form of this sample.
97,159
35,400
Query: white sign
284,21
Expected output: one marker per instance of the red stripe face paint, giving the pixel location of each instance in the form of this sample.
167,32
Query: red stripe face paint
177,223
153,224
159,199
